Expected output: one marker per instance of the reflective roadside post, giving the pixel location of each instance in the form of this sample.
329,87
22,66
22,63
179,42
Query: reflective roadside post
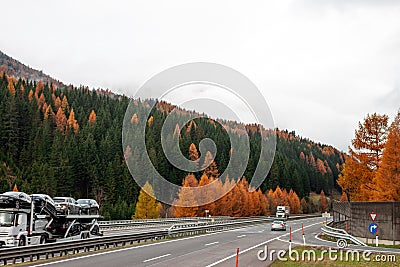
237,257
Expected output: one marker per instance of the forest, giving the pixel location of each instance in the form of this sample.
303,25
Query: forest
66,141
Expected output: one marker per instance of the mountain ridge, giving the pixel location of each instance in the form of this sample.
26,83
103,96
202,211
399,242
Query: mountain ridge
16,68
67,141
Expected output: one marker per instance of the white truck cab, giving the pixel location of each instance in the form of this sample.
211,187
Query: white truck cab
282,212
14,227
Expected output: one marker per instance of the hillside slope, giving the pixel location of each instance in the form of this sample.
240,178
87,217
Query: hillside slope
68,142
13,67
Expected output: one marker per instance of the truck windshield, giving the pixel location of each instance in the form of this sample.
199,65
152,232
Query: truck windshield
6,219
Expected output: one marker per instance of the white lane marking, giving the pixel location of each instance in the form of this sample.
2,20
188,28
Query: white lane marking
213,243
122,249
241,236
255,246
156,258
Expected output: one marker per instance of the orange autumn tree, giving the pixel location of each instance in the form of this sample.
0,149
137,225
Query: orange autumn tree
65,105
205,196
281,197
344,198
223,206
323,202
57,103
39,86
238,201
186,205
61,120
134,119
212,170
244,197
264,207
49,113
72,123
41,100
294,202
272,201
360,168
150,121
92,117
11,87
193,153
387,180
30,95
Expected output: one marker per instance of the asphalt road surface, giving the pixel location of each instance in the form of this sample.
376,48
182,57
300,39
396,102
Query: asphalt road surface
215,249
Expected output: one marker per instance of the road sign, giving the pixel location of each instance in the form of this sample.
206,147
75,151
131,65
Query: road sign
373,228
326,215
373,215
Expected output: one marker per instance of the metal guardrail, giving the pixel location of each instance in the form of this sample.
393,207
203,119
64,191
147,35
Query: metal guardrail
159,220
45,251
341,234
12,255
151,223
166,221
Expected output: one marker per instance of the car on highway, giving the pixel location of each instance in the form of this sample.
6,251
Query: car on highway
18,200
42,201
88,206
278,225
67,205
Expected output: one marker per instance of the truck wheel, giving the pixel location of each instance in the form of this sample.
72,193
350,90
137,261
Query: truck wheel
95,230
43,239
22,241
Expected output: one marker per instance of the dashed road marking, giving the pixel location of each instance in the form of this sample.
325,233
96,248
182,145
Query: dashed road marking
156,258
213,243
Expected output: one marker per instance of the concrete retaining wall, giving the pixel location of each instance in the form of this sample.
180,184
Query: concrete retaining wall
357,215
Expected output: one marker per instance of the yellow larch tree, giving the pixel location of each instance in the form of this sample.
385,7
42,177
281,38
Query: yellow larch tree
146,206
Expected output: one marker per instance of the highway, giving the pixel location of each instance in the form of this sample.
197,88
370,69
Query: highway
214,249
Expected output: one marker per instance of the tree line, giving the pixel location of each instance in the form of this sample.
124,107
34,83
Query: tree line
66,141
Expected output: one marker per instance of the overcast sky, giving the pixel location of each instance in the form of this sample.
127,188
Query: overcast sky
321,65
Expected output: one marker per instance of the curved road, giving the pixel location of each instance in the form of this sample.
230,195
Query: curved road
214,249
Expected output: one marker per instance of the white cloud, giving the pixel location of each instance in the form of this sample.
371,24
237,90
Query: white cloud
322,65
